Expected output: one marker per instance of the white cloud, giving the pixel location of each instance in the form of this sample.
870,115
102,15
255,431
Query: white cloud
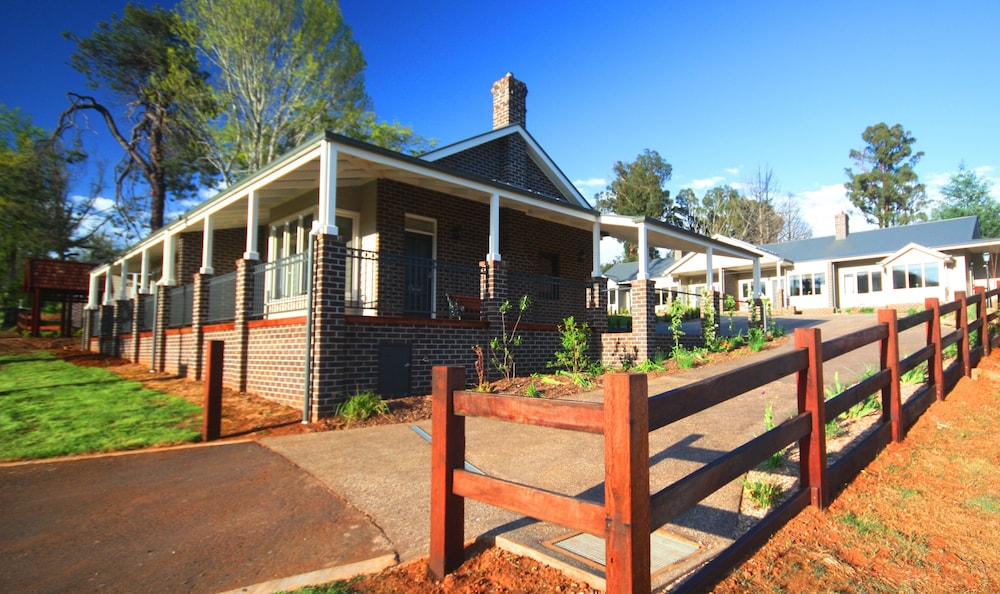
704,184
820,206
733,170
589,187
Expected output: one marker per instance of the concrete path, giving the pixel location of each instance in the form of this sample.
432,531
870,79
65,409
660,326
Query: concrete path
385,471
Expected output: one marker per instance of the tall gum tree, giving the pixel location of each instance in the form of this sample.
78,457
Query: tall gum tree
141,60
886,189
282,71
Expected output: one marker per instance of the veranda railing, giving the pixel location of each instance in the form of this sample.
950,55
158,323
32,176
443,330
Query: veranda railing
221,298
279,286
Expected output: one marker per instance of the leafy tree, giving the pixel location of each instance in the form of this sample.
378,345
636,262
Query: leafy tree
142,61
282,70
719,212
37,218
638,190
968,194
886,189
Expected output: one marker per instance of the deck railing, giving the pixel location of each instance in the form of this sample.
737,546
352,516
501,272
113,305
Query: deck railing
626,416
221,298
279,286
181,306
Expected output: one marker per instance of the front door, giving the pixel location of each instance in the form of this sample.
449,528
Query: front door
418,277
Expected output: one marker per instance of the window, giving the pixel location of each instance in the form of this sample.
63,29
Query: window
863,281
914,276
806,284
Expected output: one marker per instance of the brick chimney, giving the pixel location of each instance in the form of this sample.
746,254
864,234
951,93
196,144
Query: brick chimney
840,224
509,102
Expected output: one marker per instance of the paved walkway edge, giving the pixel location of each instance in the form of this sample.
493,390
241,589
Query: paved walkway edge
594,581
320,576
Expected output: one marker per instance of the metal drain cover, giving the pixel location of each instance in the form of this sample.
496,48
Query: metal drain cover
665,548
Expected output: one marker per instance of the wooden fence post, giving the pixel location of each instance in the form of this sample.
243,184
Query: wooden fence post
447,455
812,448
211,425
962,322
935,366
982,313
626,483
892,406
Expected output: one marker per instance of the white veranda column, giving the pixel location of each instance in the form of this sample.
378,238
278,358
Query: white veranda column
756,278
144,273
596,272
643,273
169,261
95,291
494,249
123,289
327,215
206,246
109,287
709,271
253,218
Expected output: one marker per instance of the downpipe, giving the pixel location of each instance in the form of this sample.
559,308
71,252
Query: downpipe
310,262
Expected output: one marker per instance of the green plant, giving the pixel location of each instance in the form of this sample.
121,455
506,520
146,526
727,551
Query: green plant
833,429
917,375
867,310
864,408
677,321
532,391
729,306
762,493
950,351
654,364
777,459
575,342
778,331
756,339
709,330
502,347
687,359
361,406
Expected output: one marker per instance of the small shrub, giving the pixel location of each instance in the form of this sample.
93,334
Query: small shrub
361,406
917,375
729,306
687,359
532,391
762,493
756,340
778,331
677,321
502,347
867,310
575,342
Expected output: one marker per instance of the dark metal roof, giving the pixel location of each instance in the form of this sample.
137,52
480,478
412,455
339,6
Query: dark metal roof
875,242
627,271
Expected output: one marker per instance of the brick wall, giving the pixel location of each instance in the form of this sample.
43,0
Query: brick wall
495,160
188,256
179,354
276,365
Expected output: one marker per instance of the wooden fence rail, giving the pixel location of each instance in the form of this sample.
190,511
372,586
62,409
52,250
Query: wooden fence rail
627,415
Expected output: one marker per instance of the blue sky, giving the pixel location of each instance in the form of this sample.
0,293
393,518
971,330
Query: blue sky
719,89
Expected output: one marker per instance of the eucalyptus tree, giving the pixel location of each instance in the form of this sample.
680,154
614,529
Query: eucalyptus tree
886,189
141,61
282,70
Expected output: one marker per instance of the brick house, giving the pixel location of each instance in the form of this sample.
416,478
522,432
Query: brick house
411,260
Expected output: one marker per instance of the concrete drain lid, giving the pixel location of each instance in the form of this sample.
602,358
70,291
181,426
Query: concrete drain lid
665,549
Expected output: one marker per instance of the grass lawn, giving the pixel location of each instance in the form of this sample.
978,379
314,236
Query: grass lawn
52,408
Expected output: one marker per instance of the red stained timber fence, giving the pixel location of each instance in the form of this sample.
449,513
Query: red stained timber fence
625,418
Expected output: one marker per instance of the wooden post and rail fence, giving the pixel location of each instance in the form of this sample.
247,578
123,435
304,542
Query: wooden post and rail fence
630,512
